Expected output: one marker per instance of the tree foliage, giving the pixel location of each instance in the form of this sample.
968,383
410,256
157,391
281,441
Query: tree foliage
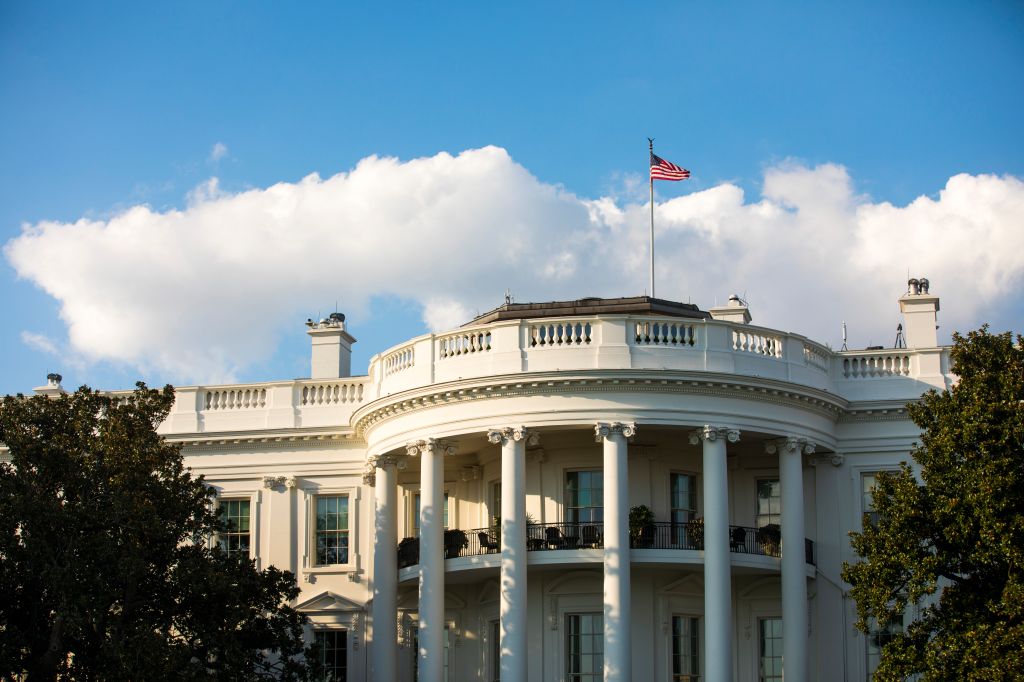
950,543
106,567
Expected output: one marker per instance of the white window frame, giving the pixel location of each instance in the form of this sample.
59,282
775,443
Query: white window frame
409,517
254,495
857,473
338,627
309,565
699,617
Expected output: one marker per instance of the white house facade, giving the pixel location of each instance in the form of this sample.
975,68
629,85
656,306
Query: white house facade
601,489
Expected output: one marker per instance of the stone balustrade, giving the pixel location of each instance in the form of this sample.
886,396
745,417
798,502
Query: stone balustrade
585,344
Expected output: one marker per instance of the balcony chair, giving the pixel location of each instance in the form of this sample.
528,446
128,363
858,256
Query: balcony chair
553,538
590,536
487,543
738,539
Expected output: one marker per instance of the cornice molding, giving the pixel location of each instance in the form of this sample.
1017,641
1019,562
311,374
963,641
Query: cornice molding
513,386
261,440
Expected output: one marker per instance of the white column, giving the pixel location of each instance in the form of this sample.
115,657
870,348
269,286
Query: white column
717,562
794,572
618,662
384,476
431,608
512,580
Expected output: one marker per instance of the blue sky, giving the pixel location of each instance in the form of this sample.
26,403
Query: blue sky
111,106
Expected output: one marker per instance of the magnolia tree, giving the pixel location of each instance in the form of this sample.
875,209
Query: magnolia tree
106,563
945,551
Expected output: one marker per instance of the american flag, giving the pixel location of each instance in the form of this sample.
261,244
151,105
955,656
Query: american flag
666,170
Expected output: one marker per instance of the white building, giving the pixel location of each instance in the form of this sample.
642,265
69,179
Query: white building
533,430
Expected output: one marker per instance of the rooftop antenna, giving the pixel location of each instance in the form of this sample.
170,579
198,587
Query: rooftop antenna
844,337
900,341
508,296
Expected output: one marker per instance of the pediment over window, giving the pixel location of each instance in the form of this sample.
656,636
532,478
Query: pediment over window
691,585
328,601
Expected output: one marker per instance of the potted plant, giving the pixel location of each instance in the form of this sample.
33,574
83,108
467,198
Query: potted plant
770,538
455,541
408,552
641,526
695,532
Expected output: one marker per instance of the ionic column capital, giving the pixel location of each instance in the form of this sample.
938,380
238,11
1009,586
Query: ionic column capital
604,430
789,444
506,434
833,458
395,459
416,448
710,434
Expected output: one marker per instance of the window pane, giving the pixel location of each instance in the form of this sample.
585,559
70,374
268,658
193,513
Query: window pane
235,537
878,638
685,648
332,648
771,649
584,646
332,530
769,503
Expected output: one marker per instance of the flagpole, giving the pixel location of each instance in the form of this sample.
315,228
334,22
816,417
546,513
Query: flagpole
650,142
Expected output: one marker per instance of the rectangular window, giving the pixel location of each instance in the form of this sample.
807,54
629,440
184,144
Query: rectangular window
769,503
683,501
496,508
771,649
234,539
332,649
584,497
331,530
416,513
416,653
584,647
495,651
867,496
878,638
685,649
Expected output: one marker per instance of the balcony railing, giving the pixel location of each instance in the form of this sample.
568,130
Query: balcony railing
765,541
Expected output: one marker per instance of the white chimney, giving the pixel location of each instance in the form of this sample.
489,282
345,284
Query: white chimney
52,388
734,311
919,308
332,348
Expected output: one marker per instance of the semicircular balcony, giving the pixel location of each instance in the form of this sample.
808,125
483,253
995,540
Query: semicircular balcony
473,554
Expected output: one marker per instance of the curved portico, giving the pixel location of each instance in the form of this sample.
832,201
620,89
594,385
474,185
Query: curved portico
728,547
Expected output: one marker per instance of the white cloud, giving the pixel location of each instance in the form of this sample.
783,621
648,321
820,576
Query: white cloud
218,151
39,342
200,293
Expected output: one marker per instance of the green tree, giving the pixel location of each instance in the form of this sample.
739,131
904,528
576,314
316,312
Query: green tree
106,567
951,542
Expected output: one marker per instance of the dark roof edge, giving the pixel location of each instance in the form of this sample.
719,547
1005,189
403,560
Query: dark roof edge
591,306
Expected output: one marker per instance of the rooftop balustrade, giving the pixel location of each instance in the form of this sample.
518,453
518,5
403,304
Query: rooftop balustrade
572,344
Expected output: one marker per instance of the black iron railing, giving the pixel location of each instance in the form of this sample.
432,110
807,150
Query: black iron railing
764,541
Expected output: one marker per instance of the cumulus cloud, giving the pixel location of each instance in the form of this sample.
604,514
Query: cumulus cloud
218,151
199,294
